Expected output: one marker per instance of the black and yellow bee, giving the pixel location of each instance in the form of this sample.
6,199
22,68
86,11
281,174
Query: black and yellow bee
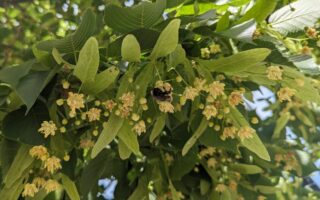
161,95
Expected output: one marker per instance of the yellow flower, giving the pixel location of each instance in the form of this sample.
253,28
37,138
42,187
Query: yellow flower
29,190
278,158
39,182
75,101
229,132
66,157
168,158
51,185
235,98
39,152
52,164
306,50
109,104
190,93
256,34
60,102
211,162
200,84
216,88
274,73
205,52
246,133
143,101
179,79
65,84
166,107
124,111
285,94
215,48
312,32
210,111
86,143
127,99
233,185
135,117
164,86
48,128
254,120
260,197
139,127
221,188
207,152
94,114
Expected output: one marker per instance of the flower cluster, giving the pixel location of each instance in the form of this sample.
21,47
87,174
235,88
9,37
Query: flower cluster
213,49
30,189
243,133
51,164
274,73
289,161
48,128
285,94
75,101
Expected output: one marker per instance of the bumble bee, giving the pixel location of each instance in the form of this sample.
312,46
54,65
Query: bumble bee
161,95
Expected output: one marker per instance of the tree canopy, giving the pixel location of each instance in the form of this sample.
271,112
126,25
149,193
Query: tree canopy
159,95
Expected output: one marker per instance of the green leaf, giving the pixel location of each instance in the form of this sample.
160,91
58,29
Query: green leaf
141,192
76,40
58,57
42,57
127,19
178,56
254,144
8,151
260,10
242,32
226,195
246,169
174,192
182,165
174,3
124,151
212,138
130,49
93,172
12,75
167,41
102,81
266,189
197,134
88,63
109,132
70,187
204,186
147,39
280,124
224,22
303,118
143,79
158,127
296,16
20,165
129,138
238,62
24,128
31,85
13,191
